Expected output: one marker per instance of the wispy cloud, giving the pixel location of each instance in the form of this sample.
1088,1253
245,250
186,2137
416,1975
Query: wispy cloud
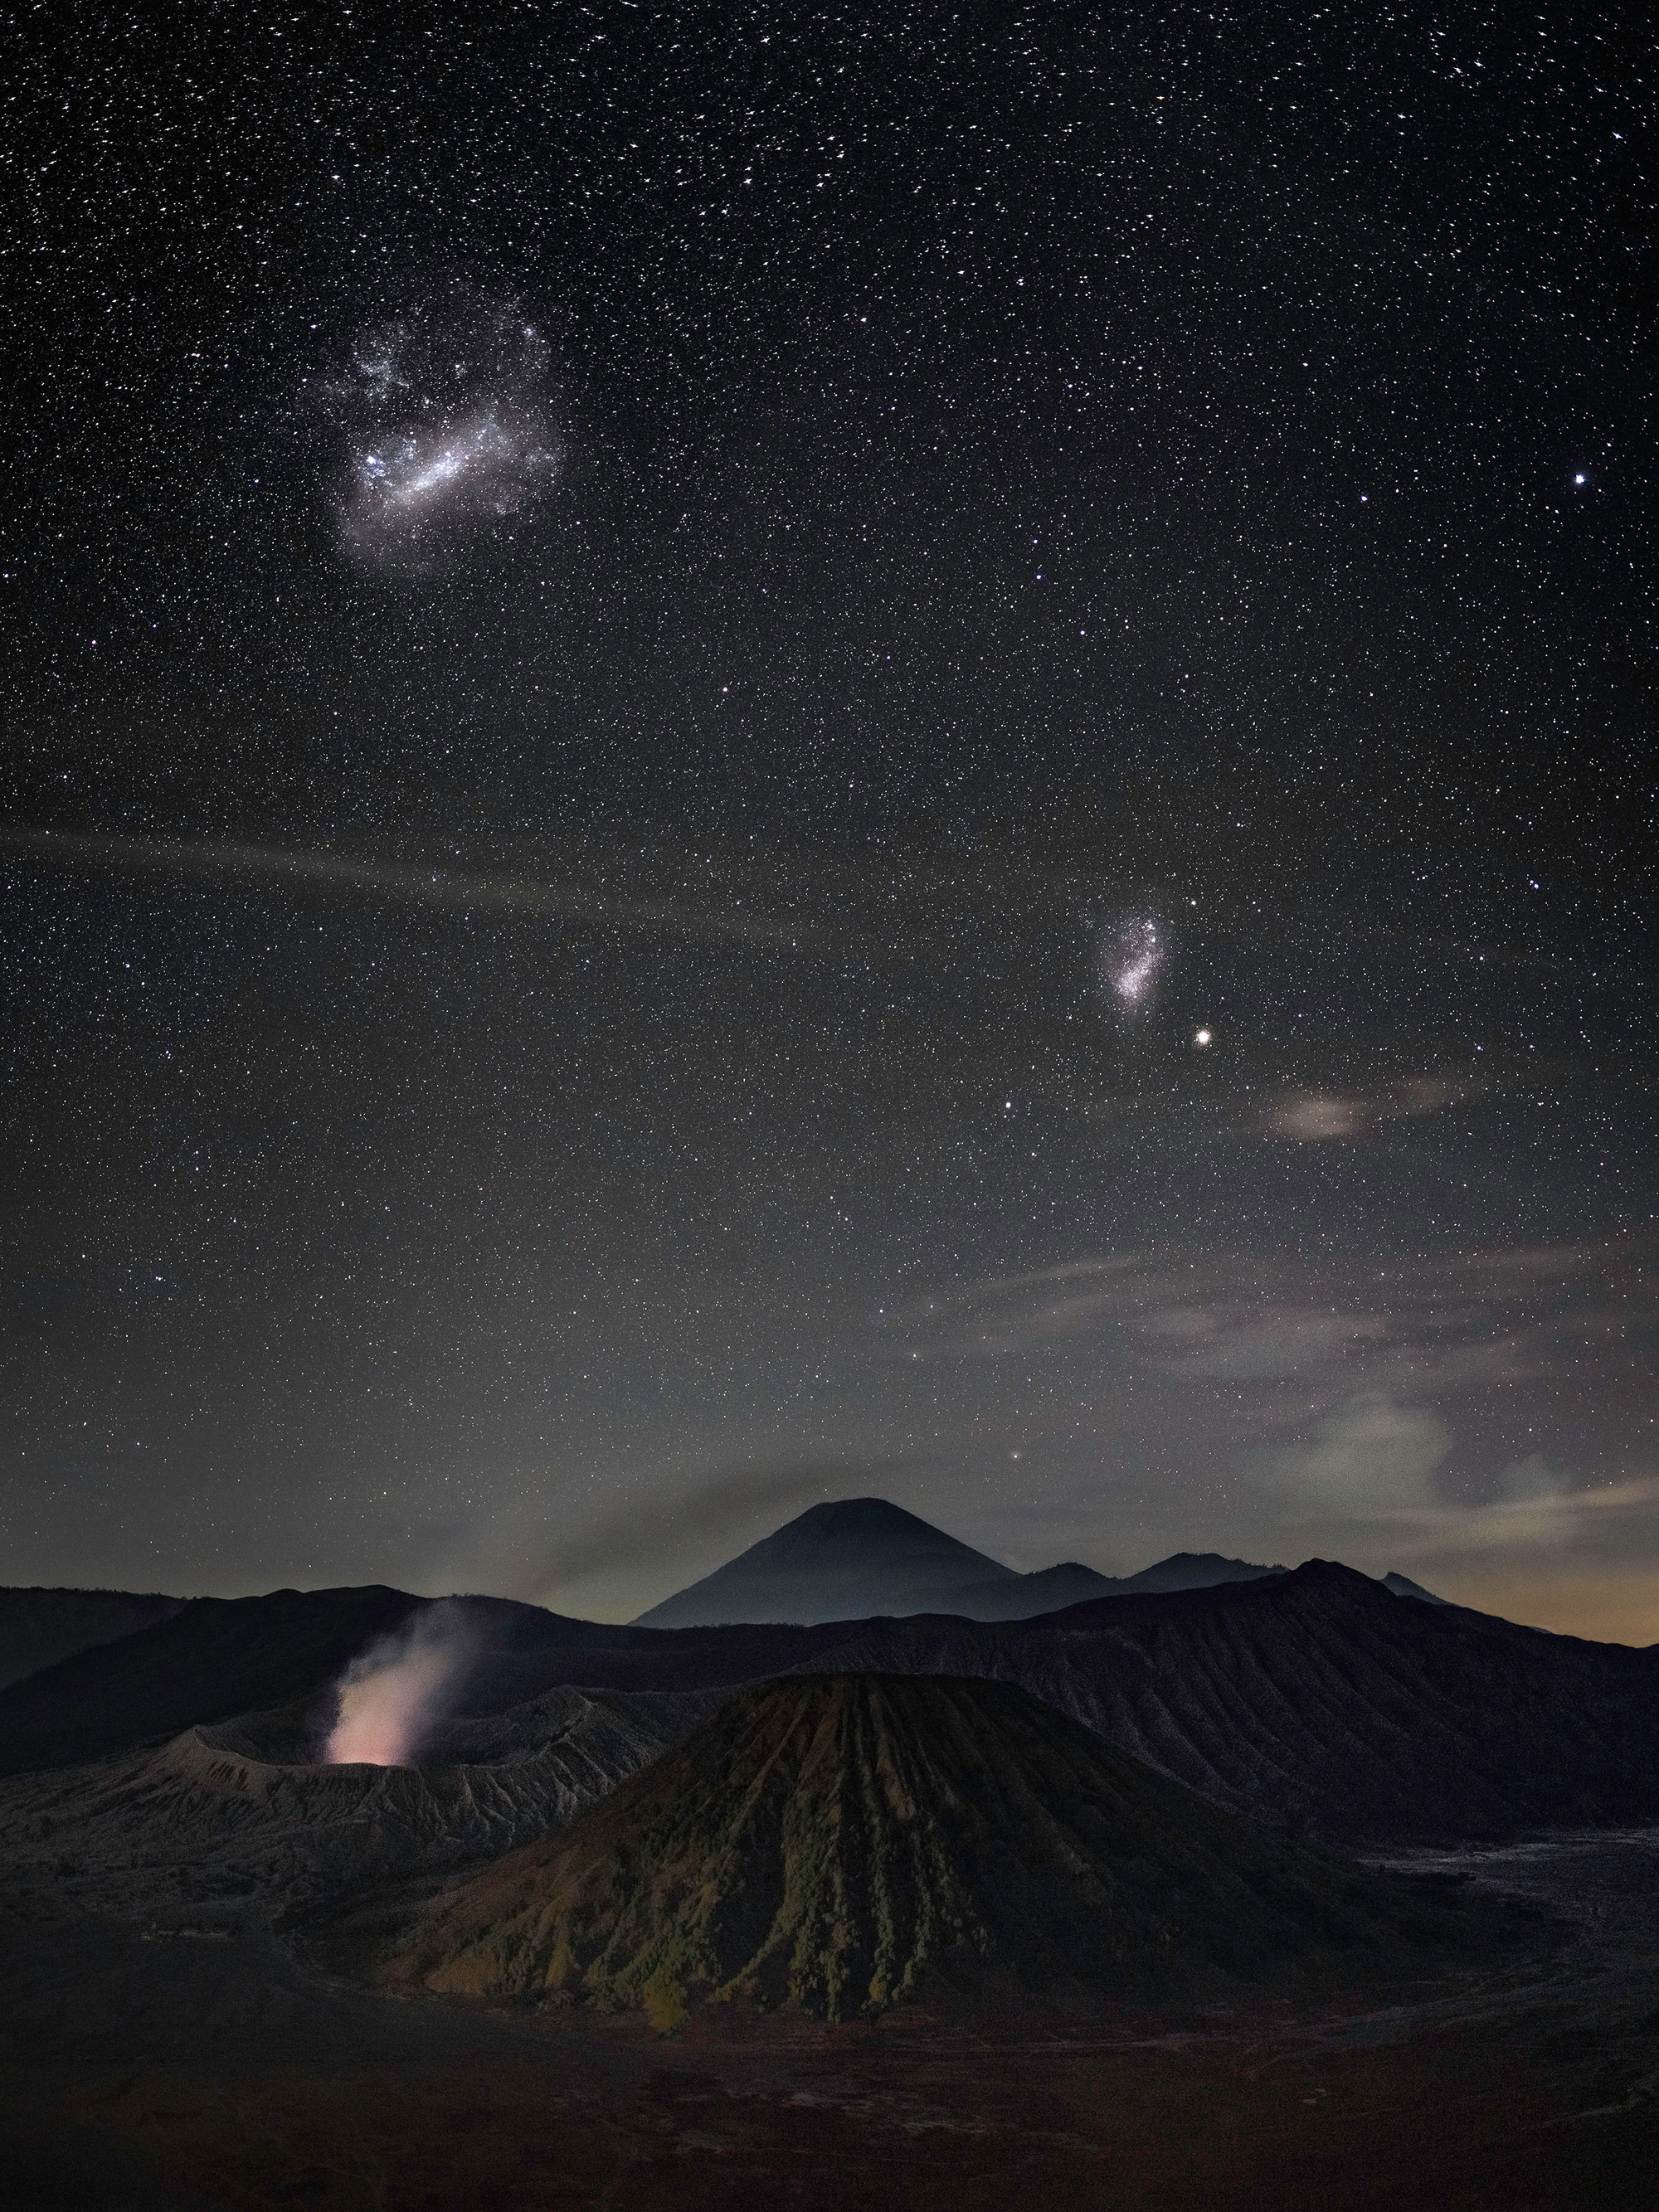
1368,1469
1230,1317
1430,1406
1314,1115
503,895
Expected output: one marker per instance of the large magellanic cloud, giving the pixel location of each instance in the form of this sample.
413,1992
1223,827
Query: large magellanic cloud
444,429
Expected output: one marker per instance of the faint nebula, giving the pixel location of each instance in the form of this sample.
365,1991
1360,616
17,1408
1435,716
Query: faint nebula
445,429
1314,1115
1128,957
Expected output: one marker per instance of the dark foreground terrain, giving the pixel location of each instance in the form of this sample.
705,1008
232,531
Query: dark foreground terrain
197,2064
190,1908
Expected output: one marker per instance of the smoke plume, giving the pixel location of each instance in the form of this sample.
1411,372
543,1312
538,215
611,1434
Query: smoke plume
394,1694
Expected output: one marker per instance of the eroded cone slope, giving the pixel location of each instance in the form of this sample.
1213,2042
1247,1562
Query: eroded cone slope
826,1840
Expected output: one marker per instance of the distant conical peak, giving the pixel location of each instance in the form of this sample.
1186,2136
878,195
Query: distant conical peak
862,1516
859,1558
849,1507
847,1559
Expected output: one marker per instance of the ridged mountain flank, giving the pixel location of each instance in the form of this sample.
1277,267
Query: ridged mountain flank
830,1841
1320,1702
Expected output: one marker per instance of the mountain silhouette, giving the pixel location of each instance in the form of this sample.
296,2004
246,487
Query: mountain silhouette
1315,1700
217,1659
832,1841
1403,1586
39,1627
842,1561
858,1556
208,1660
1321,1702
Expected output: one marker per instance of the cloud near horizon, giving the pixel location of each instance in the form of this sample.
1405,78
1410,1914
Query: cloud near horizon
1431,1416
1403,1414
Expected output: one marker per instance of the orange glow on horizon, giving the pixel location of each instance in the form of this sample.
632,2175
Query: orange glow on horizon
1616,1607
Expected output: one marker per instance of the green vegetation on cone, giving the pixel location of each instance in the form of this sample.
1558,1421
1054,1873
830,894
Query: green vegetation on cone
826,1841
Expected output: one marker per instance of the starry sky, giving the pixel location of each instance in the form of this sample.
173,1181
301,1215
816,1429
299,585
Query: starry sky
759,753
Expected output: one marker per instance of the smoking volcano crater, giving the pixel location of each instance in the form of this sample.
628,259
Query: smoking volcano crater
836,1843
481,1785
251,1805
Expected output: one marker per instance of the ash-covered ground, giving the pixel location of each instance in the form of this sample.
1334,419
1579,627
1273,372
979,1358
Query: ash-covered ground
174,2036
185,2025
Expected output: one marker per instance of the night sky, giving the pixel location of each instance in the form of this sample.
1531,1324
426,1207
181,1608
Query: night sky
753,753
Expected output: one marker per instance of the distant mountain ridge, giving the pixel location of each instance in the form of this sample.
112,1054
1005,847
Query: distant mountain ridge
1403,1586
856,1557
39,1627
1316,1700
208,1659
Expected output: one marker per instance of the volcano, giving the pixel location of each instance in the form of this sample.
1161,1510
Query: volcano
843,1561
243,1807
1315,1700
855,1558
836,1842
